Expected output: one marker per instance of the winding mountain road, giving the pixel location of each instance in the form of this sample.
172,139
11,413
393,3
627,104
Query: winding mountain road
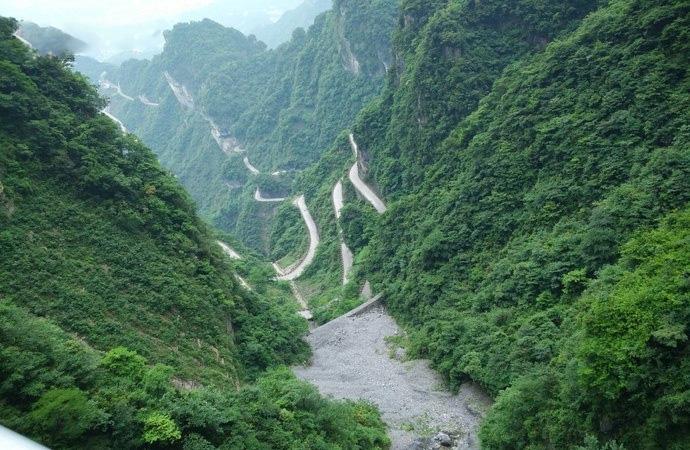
232,254
107,84
260,198
143,99
22,40
297,271
243,283
118,89
304,307
360,185
345,253
228,251
114,119
250,167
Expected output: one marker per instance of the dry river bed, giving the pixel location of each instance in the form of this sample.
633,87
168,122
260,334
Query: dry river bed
353,359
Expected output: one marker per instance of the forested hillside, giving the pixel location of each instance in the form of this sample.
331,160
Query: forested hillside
446,57
122,324
536,163
283,107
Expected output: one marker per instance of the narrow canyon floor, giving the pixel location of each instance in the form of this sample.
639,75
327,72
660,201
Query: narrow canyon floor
355,357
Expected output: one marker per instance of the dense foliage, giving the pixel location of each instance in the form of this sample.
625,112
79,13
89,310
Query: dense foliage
517,162
122,324
80,398
625,372
524,205
535,157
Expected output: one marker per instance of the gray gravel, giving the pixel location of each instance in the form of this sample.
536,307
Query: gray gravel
352,360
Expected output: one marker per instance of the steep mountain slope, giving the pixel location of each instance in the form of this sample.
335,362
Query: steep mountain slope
49,39
527,201
122,323
516,162
447,55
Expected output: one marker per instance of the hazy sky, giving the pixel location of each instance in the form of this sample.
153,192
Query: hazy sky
111,26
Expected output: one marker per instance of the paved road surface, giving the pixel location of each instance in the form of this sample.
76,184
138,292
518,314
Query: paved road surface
22,40
297,271
260,198
249,166
345,253
229,251
183,96
360,185
143,99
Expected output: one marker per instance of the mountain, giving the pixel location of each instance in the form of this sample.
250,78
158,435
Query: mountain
510,179
91,68
283,106
49,39
535,164
123,324
303,16
527,156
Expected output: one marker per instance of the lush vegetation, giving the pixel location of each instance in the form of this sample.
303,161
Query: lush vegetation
122,324
623,375
535,157
526,205
80,398
531,244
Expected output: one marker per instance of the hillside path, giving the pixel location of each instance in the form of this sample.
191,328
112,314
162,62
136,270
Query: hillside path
115,119
260,198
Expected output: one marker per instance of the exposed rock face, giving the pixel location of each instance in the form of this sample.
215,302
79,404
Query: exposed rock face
350,62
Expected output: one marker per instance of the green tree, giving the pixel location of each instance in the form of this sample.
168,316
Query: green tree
160,428
64,415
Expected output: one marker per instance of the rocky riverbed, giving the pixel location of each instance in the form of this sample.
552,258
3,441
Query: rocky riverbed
356,358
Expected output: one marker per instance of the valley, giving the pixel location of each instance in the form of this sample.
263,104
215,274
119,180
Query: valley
411,225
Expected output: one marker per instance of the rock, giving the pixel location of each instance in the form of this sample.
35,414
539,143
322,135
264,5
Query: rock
443,439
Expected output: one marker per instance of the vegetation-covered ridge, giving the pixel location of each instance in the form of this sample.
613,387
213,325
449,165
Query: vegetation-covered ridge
537,178
446,56
121,323
526,205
